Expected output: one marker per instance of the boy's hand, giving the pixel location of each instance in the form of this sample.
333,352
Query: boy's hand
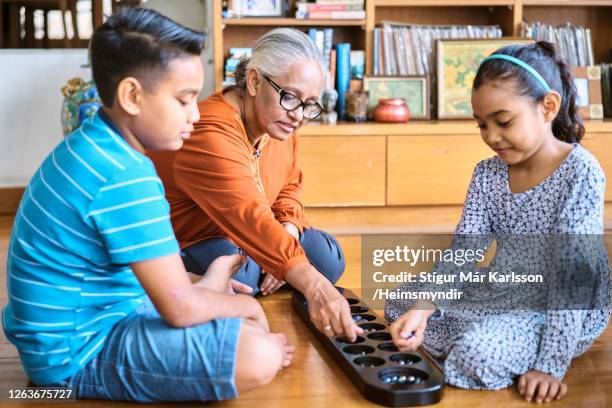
540,387
218,277
407,331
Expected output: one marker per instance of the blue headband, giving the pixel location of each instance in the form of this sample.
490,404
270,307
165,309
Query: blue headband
523,65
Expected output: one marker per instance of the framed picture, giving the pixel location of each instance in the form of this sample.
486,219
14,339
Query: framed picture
261,8
414,89
588,85
458,61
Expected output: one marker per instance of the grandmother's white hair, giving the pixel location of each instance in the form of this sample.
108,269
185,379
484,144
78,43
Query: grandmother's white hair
275,52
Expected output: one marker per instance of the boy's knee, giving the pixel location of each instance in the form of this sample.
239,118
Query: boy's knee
258,359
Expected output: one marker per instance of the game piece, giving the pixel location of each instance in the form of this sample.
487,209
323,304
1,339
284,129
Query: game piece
374,365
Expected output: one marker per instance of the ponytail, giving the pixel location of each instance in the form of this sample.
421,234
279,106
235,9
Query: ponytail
567,125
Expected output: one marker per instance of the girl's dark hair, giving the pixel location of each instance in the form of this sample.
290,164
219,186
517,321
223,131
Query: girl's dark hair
541,56
141,43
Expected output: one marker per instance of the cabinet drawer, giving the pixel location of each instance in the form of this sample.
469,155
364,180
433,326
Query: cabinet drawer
343,171
432,169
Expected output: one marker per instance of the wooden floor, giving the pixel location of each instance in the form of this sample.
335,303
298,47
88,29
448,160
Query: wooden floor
315,381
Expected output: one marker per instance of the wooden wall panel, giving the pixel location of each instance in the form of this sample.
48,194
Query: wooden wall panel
343,171
10,197
432,169
600,144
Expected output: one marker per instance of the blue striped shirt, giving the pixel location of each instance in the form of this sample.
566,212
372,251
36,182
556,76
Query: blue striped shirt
94,206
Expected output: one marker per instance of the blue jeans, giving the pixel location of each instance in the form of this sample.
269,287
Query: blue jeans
322,250
145,360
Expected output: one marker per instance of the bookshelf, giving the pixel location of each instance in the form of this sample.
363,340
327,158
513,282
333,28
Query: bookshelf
421,163
595,14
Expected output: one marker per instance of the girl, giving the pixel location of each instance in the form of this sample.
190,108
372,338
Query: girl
541,182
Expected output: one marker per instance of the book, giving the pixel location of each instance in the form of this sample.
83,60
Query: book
303,6
357,59
344,2
343,76
338,15
386,51
320,41
239,52
375,46
332,70
312,33
328,35
400,53
381,54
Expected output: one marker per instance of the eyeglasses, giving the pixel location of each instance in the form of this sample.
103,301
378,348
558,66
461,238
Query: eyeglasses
291,102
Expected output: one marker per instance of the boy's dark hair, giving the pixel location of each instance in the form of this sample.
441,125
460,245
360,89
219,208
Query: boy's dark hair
542,57
141,43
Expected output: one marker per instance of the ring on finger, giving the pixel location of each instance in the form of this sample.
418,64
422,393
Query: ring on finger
327,328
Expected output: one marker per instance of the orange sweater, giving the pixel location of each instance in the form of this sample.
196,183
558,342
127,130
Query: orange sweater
217,187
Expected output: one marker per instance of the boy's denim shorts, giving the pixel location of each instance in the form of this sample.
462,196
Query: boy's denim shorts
146,360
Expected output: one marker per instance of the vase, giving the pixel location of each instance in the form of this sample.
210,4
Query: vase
393,110
81,101
357,106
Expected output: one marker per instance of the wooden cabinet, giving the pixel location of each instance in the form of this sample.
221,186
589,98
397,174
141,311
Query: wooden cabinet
428,163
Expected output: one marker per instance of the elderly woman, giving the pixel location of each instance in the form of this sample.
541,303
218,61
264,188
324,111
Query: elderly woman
236,183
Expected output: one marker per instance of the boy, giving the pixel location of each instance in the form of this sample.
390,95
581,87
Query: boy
92,249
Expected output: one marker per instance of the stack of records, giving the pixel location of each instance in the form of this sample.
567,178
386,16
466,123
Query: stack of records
407,49
573,43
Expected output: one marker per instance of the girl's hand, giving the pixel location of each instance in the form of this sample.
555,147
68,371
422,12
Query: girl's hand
541,387
407,331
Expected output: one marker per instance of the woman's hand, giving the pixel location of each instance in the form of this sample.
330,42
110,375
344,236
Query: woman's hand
541,387
270,284
330,312
407,331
